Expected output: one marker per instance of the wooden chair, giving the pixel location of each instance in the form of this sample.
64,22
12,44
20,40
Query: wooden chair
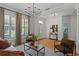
65,46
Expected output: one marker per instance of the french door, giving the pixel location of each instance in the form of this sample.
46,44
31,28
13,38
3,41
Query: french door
9,25
24,28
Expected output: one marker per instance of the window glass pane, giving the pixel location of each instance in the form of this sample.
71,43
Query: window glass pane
13,21
22,26
7,19
9,24
6,32
24,29
12,32
6,26
26,26
13,27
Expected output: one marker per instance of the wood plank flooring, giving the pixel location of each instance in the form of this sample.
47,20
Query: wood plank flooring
47,43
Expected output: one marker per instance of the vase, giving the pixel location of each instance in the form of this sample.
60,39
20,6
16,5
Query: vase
32,43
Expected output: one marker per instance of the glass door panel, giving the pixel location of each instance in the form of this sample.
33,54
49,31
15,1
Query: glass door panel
6,26
9,25
24,29
13,27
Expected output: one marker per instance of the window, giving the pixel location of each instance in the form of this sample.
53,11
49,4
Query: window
9,24
24,26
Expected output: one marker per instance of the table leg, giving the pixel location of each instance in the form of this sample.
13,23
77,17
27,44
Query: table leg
24,47
44,51
37,53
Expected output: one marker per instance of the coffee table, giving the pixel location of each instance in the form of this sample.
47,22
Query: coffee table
38,49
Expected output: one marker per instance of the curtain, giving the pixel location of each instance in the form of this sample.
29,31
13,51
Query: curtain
2,22
18,29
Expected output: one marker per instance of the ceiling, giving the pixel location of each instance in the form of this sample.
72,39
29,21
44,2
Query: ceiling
40,8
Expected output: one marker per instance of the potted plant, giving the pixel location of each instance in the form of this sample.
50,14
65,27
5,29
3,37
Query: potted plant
34,38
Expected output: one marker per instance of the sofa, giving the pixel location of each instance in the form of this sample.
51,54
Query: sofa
6,49
11,53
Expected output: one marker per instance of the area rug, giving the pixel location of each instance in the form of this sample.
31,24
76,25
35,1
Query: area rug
48,52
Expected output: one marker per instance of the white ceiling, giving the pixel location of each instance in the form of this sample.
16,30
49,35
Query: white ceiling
40,8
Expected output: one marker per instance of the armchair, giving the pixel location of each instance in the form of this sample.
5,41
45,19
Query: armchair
65,46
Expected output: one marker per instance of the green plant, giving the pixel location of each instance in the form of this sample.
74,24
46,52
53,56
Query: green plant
34,37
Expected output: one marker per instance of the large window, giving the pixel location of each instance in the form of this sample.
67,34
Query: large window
24,28
9,25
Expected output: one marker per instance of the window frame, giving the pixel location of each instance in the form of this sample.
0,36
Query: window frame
10,14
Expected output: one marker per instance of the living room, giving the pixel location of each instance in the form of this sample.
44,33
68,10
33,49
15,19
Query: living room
46,22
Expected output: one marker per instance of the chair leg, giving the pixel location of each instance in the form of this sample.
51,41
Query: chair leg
64,54
54,49
72,53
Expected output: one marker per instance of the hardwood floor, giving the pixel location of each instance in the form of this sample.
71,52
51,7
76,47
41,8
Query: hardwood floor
47,43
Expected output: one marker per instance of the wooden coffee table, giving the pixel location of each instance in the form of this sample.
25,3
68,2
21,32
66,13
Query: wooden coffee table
38,49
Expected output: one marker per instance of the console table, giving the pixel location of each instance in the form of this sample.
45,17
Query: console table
51,33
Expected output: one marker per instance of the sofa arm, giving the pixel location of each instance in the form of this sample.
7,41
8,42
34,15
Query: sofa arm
11,53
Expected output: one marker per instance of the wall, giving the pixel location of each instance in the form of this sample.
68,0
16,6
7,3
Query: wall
66,23
40,29
73,27
51,20
32,25
77,40
36,28
67,20
70,22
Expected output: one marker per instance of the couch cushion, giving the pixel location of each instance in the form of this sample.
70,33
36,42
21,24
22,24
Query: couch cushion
4,44
67,43
11,48
63,49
